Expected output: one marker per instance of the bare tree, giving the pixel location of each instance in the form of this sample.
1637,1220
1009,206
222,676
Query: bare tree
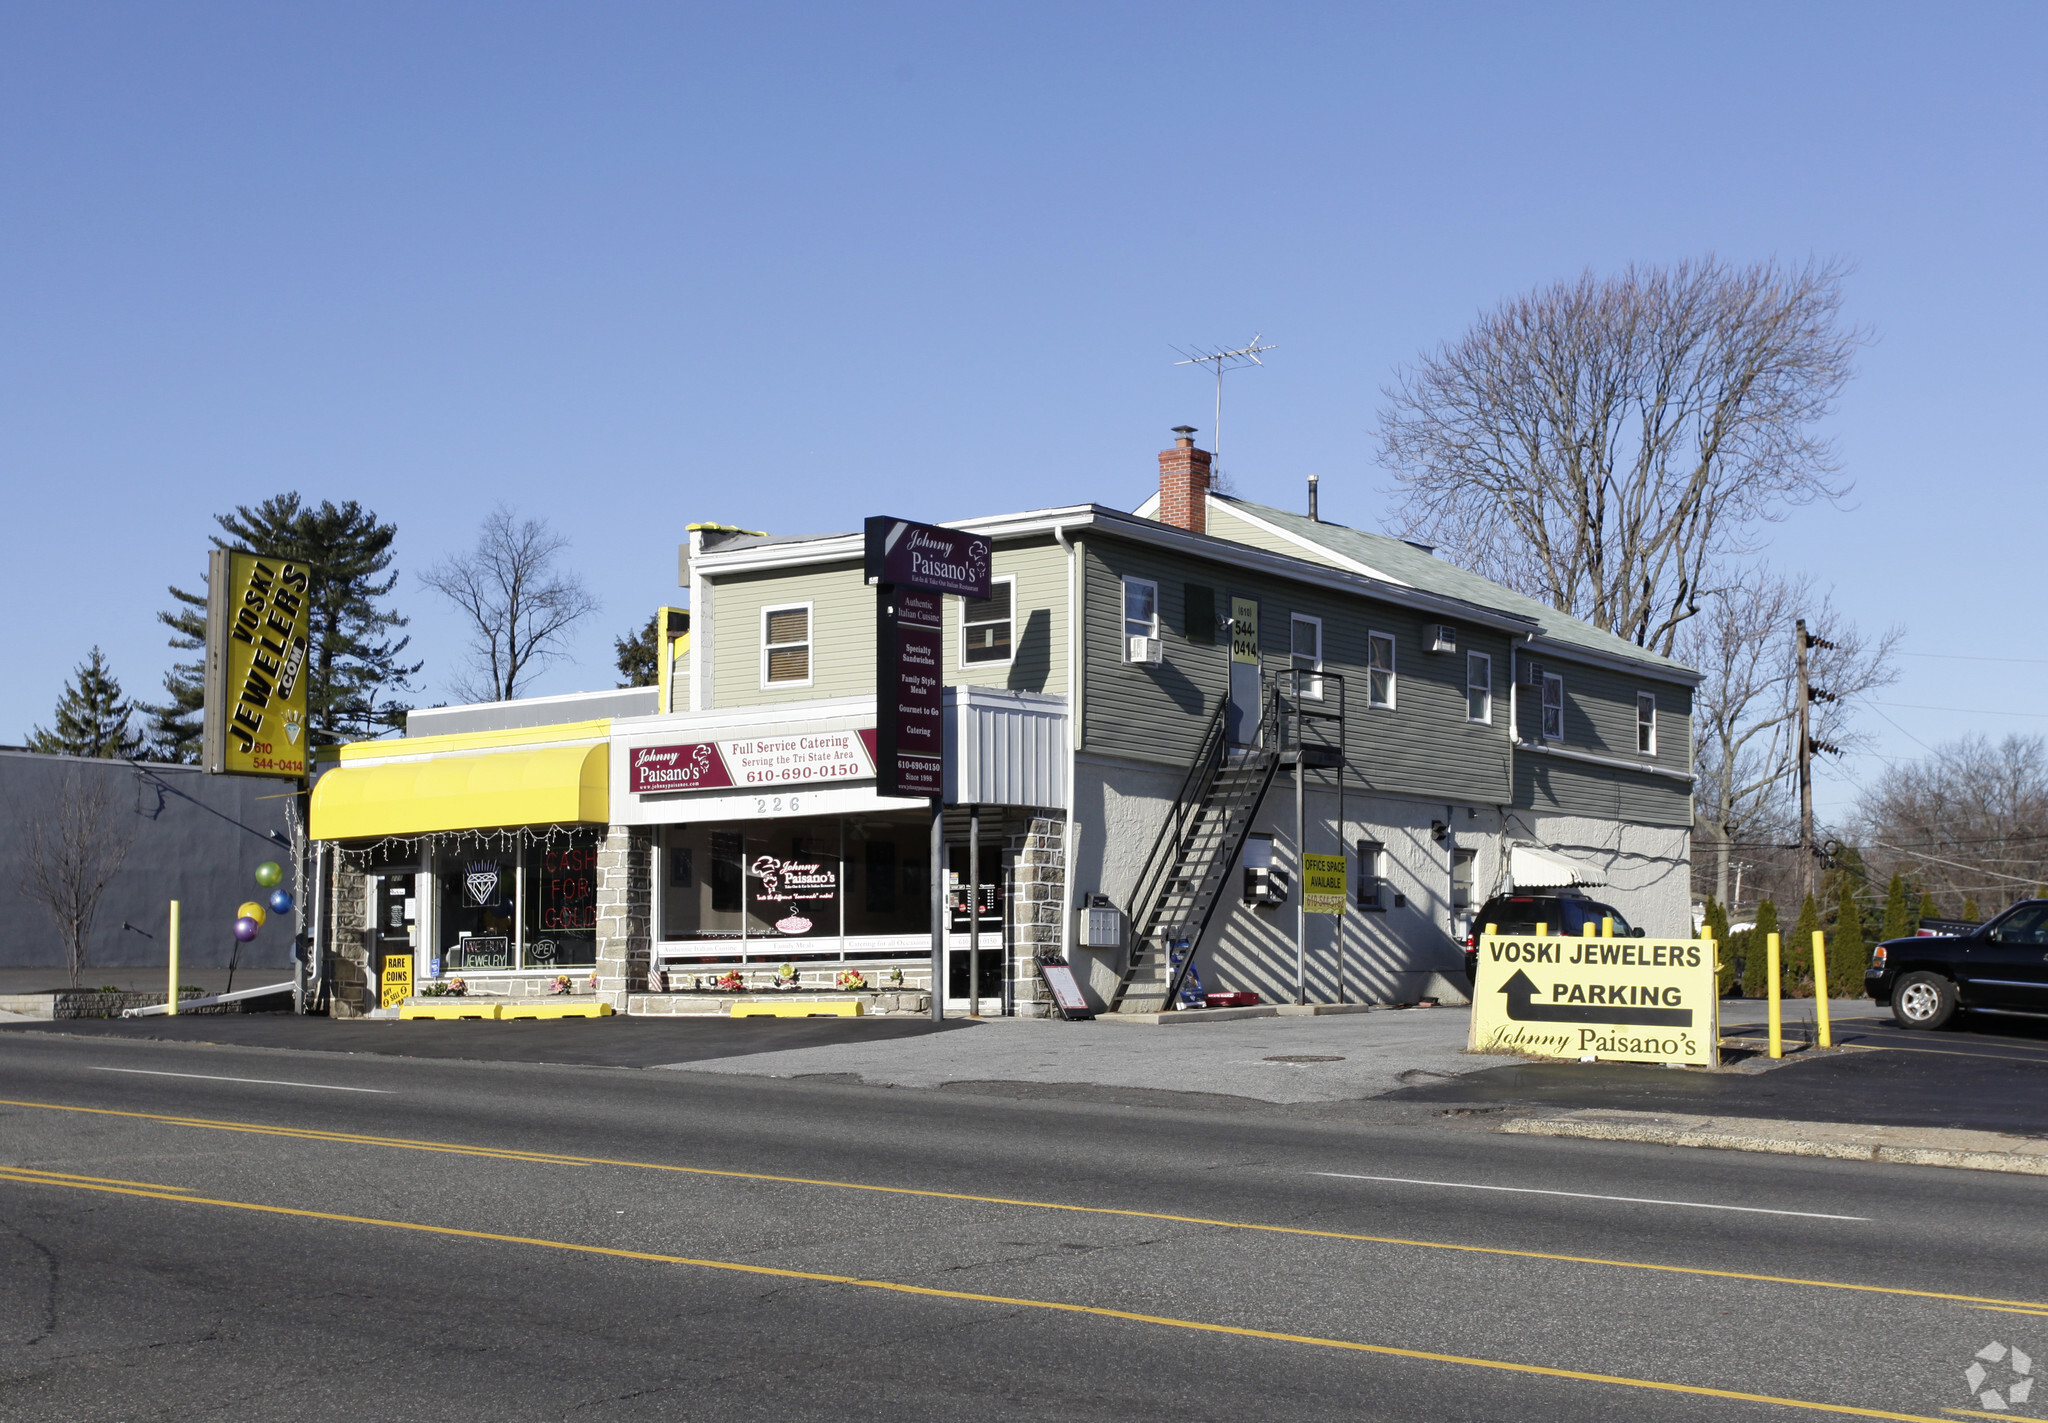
1969,821
75,845
1606,444
1745,712
518,604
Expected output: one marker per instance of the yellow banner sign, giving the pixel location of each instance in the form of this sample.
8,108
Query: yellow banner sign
397,984
1322,885
1626,1000
256,630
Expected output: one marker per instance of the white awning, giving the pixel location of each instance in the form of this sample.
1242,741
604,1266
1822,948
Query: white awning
1531,868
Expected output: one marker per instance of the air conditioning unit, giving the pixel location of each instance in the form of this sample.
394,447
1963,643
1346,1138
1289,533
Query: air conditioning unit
1146,650
1444,638
1264,885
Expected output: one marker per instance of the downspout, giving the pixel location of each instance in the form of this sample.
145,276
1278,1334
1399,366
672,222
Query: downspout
1069,837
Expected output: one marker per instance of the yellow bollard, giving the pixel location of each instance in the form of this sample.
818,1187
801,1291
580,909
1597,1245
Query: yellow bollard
174,956
1606,926
1493,928
1542,930
1820,988
1777,1022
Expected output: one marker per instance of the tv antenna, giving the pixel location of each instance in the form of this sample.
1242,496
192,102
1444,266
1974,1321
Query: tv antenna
1245,355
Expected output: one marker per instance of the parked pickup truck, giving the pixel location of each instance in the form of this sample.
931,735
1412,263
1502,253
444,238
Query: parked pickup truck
1997,967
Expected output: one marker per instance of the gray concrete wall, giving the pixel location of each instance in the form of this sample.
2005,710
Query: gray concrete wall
198,839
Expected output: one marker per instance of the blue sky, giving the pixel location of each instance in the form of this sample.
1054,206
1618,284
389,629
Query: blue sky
629,267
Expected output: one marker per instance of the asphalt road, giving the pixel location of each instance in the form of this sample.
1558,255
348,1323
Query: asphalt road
193,1231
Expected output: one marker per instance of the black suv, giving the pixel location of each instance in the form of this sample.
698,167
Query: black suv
1521,913
1999,967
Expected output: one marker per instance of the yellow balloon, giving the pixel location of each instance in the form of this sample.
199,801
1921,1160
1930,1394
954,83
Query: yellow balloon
251,910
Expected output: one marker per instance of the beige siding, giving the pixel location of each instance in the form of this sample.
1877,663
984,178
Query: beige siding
843,629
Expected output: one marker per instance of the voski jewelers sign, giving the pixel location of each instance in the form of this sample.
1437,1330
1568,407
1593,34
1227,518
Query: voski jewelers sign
912,567
814,758
1628,1000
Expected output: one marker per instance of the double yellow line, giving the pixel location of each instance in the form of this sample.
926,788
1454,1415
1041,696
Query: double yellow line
107,1185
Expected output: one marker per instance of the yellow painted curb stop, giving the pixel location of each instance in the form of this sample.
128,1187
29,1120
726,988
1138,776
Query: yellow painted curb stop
816,1008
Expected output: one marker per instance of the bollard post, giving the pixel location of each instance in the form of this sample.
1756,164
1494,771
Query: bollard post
1777,1022
1820,988
1542,930
174,956
1606,926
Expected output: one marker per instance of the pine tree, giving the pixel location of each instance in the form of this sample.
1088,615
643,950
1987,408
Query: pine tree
1756,968
1927,909
1970,910
1897,919
354,661
639,655
1797,963
1848,950
92,716
1716,927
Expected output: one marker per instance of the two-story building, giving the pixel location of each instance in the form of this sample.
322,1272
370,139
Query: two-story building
1147,705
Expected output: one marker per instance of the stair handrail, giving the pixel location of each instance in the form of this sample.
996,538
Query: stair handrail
1150,886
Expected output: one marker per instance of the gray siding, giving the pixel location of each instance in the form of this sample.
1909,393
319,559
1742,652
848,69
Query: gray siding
1600,712
1554,785
1423,746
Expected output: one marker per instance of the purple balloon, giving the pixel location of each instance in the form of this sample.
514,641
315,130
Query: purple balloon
245,929
280,901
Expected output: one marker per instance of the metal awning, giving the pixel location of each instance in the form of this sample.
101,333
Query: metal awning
1531,868
555,785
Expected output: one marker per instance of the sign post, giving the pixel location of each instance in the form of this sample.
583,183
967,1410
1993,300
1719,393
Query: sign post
912,566
1621,1000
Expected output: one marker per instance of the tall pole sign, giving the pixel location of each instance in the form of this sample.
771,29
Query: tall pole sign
912,567
256,649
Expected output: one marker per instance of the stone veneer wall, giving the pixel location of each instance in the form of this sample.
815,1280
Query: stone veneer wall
348,942
1038,869
625,912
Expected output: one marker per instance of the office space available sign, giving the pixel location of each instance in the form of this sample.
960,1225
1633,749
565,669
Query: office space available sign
1626,1000
256,646
813,758
1322,884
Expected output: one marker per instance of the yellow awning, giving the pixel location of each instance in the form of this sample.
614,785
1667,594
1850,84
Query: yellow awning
556,785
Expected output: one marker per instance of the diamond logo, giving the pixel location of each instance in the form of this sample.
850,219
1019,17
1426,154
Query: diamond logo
2011,1370
482,883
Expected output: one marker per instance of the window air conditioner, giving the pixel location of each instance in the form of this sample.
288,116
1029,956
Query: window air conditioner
1147,650
1264,885
1444,638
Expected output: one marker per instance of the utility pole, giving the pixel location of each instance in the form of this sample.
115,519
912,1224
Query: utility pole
1808,695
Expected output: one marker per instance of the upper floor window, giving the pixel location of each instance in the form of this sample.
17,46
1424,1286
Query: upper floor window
1646,723
1379,669
786,646
1141,612
1553,707
986,624
1372,875
1307,644
1478,687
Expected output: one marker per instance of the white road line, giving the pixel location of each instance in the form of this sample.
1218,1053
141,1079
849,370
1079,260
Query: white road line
258,1081
1587,1196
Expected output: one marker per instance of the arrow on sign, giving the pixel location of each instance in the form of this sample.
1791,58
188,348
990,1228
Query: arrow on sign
1520,990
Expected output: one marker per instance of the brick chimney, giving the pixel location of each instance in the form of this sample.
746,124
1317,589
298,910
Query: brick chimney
1184,483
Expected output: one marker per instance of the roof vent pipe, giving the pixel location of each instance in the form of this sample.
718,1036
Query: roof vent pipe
1313,517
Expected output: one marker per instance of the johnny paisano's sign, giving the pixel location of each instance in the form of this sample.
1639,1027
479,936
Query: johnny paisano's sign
912,567
1631,1000
256,621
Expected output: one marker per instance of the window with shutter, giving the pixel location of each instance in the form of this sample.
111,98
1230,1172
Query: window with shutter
786,646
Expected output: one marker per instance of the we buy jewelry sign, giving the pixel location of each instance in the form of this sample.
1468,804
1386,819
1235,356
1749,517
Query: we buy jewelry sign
813,757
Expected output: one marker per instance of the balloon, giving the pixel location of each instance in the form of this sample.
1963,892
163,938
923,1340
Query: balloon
245,928
252,910
269,873
280,901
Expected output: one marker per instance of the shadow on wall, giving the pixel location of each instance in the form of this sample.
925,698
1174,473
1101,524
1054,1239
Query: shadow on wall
1032,666
197,838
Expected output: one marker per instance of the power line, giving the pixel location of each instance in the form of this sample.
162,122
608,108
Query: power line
1966,657
1972,711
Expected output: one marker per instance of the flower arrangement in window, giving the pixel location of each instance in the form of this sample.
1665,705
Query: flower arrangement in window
452,988
852,979
560,984
785,977
730,982
592,983
895,978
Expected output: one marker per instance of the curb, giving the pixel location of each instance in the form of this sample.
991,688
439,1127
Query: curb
1906,1146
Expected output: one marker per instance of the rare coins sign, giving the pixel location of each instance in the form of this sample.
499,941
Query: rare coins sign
1629,1000
255,664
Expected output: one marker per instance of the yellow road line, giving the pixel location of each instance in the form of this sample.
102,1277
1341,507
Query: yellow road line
74,1176
549,1158
1022,1302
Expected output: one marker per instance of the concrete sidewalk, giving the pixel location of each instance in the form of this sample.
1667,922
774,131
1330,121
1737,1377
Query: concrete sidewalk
1281,1060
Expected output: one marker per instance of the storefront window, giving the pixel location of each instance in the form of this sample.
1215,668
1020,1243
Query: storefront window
793,883
474,912
889,862
702,882
561,903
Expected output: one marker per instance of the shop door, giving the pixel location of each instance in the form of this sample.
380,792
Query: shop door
396,919
1243,718
989,904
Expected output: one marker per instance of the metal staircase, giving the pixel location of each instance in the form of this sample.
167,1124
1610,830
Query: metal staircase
1188,870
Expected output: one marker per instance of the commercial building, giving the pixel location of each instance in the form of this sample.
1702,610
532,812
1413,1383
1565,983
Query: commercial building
1147,706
